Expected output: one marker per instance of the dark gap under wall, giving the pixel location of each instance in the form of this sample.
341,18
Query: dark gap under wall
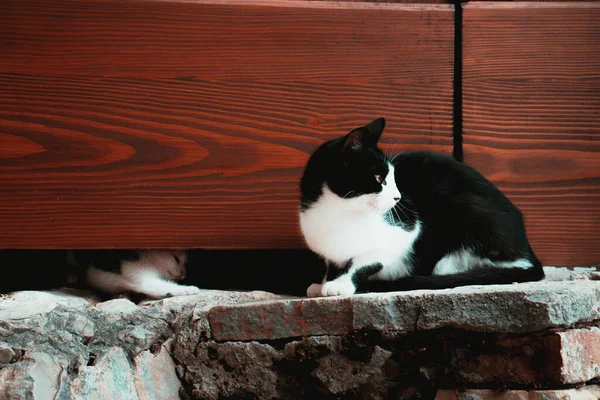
282,271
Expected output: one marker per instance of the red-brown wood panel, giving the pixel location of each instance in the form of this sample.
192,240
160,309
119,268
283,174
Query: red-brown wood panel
531,114
389,1
187,124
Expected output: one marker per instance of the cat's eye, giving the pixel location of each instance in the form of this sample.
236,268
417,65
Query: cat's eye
176,257
379,179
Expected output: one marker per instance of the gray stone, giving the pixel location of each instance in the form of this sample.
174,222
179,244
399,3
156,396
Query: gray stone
154,374
314,367
482,394
572,274
111,377
526,307
35,376
119,307
7,354
221,370
591,392
86,345
339,374
29,304
385,312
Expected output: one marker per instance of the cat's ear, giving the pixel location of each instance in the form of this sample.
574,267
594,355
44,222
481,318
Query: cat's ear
367,135
376,128
357,139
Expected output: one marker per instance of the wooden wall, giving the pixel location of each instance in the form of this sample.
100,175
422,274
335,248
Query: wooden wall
531,116
129,123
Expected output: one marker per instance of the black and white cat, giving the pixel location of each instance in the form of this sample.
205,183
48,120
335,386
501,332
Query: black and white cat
147,272
417,220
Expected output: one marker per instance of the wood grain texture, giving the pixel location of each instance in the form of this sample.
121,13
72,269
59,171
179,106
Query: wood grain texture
531,110
389,1
185,125
227,40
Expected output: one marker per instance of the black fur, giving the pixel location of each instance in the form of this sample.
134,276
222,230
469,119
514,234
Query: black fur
347,164
484,276
459,208
106,260
362,275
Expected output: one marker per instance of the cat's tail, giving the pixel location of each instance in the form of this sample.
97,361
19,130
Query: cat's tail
483,276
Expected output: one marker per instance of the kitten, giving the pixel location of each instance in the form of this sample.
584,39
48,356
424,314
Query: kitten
147,272
417,220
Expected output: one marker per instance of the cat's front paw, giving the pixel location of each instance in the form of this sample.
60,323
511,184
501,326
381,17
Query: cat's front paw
338,288
183,291
314,290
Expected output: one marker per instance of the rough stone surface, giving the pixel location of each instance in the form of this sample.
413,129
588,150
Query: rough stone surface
527,307
482,394
110,377
155,376
313,368
7,354
281,319
220,344
591,392
64,346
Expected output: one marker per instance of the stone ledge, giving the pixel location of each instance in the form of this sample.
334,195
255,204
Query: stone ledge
521,308
529,336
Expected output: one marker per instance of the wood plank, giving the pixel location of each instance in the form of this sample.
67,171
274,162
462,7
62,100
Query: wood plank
389,1
226,39
186,153
531,110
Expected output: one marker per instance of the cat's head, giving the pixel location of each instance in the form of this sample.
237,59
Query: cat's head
170,264
353,171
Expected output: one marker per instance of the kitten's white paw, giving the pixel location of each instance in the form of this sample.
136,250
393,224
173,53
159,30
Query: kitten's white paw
338,288
314,290
184,291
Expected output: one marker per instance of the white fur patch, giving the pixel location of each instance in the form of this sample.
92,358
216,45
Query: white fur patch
464,260
343,229
151,275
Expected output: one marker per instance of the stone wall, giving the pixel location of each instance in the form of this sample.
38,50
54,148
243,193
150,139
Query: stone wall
525,341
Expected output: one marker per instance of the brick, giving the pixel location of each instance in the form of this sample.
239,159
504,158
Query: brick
579,355
555,358
281,319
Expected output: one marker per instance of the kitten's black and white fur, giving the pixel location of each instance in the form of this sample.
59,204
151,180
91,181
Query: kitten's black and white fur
417,220
147,272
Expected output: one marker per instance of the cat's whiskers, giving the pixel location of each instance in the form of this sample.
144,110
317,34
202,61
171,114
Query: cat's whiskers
391,153
389,217
403,213
406,208
349,193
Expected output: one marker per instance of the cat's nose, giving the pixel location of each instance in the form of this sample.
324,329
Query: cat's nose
396,199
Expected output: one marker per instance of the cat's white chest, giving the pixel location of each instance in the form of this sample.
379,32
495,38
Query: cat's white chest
340,234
